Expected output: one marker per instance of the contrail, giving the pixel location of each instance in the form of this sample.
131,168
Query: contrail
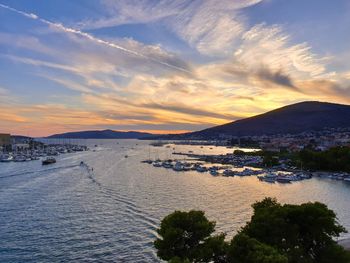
91,37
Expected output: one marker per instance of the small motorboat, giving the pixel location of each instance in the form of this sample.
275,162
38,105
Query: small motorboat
201,169
214,172
49,160
228,172
283,179
178,167
157,164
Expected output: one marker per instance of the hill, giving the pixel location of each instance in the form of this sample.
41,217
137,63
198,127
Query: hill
295,118
104,134
291,119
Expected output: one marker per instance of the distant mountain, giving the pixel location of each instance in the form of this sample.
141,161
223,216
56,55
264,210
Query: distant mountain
105,134
295,118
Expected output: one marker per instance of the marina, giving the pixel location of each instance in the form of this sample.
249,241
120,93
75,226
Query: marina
264,175
41,151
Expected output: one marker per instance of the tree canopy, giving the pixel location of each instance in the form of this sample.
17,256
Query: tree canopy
276,234
183,235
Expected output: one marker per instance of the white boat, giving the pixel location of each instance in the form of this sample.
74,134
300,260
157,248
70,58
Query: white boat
6,159
157,164
178,167
167,165
270,178
19,159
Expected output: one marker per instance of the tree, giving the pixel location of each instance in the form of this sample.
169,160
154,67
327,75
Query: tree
214,249
244,249
183,235
302,232
276,234
270,160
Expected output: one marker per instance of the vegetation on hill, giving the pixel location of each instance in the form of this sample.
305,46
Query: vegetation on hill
333,159
276,234
105,134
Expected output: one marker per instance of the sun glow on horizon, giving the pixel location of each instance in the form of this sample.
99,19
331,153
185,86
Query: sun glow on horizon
167,67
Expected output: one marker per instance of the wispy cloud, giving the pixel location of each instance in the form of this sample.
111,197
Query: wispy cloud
93,38
209,26
231,68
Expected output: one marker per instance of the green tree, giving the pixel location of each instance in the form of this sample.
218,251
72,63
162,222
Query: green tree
276,234
270,160
244,249
302,232
214,249
182,235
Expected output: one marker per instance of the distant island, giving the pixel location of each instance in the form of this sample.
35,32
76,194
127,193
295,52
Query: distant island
104,134
292,119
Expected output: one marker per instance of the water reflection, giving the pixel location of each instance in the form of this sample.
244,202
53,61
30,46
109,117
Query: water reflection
65,214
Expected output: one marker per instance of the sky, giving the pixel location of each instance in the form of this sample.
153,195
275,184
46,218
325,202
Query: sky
166,66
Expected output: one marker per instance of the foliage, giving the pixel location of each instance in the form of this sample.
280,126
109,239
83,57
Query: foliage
276,234
183,234
244,249
333,159
214,249
303,232
270,160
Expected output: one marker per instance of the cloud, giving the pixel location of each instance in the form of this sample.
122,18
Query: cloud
210,26
95,39
327,89
276,77
268,46
233,70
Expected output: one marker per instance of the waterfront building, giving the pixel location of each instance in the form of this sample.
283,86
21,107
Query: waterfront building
20,147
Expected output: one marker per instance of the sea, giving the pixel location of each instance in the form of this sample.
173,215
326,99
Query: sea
109,209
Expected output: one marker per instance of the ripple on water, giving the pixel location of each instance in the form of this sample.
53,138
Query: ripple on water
67,213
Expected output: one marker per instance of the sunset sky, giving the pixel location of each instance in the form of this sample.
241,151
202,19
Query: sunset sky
166,66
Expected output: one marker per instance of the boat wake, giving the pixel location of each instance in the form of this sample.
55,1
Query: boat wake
132,210
38,171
